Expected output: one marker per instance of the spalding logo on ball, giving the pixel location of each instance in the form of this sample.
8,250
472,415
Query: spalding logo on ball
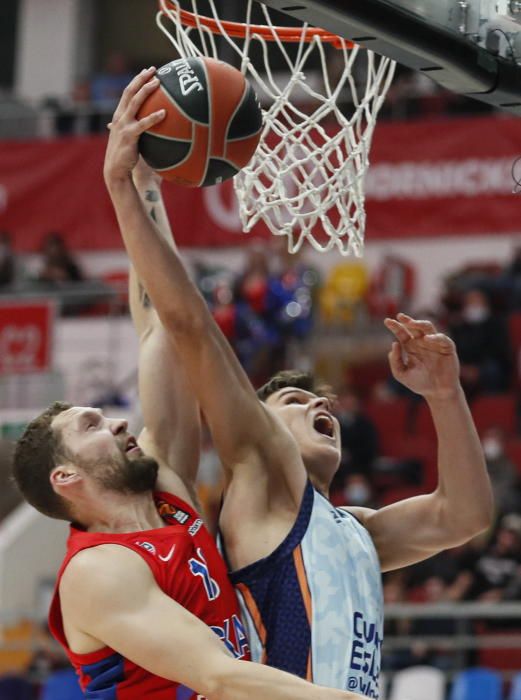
212,126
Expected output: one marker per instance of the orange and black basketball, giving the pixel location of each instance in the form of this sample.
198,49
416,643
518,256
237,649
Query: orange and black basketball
212,125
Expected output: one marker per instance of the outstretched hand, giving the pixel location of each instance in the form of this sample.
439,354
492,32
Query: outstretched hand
422,359
125,128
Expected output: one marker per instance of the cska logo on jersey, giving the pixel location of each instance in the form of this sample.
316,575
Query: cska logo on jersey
198,567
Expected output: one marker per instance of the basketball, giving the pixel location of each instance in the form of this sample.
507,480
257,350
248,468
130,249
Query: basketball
212,126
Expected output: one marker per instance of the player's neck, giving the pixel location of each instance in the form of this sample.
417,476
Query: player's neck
120,513
322,486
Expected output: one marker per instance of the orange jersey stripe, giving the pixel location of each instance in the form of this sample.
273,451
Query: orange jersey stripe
250,603
306,597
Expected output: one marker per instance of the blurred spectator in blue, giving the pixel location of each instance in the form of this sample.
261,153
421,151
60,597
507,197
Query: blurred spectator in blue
262,310
482,342
291,292
107,86
7,261
58,264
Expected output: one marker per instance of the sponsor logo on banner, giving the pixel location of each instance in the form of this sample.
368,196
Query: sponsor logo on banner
26,330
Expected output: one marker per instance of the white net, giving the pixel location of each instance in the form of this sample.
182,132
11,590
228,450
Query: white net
306,179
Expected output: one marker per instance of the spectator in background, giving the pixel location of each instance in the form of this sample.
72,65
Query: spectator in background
358,434
482,343
7,261
252,284
496,573
107,85
510,280
392,286
355,489
502,472
58,265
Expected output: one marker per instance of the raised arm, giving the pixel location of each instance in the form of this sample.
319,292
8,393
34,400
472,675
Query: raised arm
122,607
461,506
245,433
168,402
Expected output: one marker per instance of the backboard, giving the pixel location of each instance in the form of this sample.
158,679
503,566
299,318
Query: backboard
472,47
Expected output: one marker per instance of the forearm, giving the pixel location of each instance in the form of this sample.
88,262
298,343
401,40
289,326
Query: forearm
156,263
149,190
463,482
242,680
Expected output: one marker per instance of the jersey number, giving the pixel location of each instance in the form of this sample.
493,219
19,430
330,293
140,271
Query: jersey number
198,567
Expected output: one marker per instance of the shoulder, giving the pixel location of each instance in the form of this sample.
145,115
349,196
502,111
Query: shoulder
104,573
363,515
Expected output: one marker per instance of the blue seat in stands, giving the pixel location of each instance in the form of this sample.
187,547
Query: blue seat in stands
62,685
515,690
477,684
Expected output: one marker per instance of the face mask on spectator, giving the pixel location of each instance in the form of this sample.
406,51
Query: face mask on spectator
475,313
492,448
357,494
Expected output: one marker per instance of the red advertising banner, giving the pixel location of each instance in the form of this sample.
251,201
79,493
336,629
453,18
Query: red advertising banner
437,177
26,331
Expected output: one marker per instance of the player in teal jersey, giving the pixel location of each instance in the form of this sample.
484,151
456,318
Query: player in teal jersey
308,573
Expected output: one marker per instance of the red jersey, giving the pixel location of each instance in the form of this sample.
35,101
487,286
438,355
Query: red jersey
186,565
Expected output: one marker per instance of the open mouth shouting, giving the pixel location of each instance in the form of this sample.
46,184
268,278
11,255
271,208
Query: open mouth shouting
324,424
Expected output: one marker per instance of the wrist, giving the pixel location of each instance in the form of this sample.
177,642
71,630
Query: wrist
117,180
445,397
149,182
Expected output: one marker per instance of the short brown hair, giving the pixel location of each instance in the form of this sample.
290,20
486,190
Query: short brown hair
37,453
294,378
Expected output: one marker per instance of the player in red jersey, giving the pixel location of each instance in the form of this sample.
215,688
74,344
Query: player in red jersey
142,603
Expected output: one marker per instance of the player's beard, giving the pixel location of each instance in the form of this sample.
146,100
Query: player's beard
123,475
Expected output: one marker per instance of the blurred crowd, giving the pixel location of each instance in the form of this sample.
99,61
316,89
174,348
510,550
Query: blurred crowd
89,106
277,309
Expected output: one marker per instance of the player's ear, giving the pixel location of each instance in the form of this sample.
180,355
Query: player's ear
63,477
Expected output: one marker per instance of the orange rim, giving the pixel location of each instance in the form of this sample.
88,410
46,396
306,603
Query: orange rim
240,30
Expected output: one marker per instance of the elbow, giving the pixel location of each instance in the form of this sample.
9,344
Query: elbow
182,321
463,524
474,525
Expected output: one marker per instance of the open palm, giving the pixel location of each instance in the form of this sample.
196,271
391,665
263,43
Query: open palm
422,359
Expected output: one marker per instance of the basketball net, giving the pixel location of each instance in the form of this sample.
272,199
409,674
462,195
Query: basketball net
306,179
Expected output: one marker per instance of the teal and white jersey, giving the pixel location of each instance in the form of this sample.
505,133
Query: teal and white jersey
314,607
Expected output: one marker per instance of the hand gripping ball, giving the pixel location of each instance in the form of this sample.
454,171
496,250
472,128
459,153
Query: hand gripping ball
212,125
